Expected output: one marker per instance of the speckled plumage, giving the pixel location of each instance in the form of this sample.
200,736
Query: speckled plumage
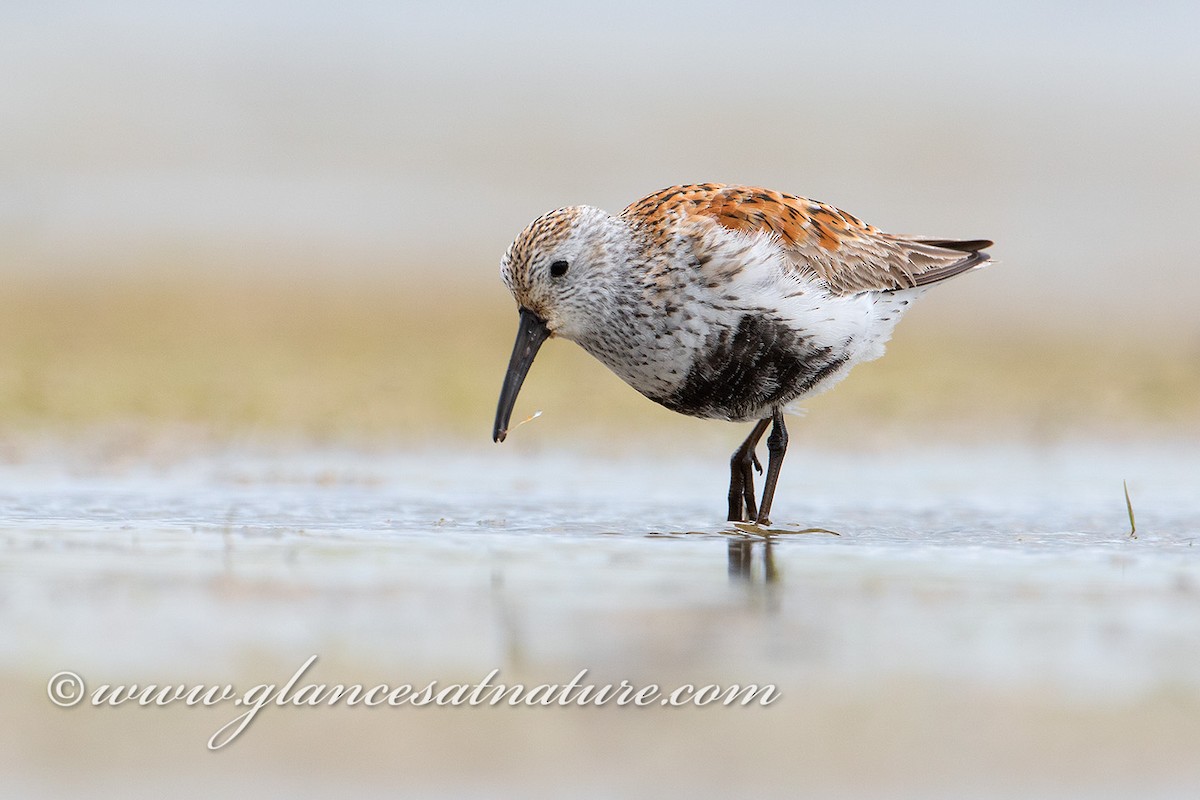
725,302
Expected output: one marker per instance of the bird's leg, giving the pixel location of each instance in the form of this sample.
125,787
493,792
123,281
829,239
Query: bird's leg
777,444
741,475
748,490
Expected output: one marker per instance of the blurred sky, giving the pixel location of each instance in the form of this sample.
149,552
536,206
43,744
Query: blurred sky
354,138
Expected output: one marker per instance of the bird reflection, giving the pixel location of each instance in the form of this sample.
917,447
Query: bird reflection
741,561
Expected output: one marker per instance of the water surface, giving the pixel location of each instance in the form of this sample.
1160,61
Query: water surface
976,606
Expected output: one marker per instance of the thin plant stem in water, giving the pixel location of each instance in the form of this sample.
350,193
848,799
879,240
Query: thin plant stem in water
1129,508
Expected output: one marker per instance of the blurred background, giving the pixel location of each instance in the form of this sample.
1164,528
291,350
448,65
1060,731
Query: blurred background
269,217
252,334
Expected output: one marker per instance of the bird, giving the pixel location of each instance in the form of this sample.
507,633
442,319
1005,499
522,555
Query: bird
721,302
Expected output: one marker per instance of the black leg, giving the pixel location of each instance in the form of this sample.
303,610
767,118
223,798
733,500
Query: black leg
777,444
741,475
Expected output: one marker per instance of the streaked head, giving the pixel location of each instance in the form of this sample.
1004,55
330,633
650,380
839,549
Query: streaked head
559,260
559,270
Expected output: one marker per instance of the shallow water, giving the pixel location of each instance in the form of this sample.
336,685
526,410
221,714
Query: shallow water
977,606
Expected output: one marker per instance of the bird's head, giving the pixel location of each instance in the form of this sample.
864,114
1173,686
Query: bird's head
563,266
563,270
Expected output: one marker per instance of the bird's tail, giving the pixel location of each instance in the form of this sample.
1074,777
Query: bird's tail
973,248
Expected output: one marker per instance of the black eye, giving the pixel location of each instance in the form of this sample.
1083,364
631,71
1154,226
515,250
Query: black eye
558,269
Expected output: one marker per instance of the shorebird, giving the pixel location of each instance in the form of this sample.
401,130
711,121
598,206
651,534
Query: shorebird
720,302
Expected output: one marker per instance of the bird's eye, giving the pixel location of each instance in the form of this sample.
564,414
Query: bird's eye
558,269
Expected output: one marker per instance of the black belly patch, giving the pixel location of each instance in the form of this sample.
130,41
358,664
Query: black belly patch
762,364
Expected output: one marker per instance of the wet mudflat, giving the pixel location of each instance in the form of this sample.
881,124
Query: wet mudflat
983,622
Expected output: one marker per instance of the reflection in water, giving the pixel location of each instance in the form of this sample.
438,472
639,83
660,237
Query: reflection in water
508,626
741,560
762,586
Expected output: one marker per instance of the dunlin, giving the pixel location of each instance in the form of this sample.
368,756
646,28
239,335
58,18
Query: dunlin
721,302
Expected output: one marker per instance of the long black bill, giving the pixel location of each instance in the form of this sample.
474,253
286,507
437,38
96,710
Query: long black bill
530,335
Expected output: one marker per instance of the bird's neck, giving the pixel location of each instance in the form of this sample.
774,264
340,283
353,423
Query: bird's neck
639,314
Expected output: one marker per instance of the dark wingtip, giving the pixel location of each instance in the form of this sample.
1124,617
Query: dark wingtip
499,436
962,246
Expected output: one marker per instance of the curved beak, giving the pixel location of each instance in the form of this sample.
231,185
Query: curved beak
530,335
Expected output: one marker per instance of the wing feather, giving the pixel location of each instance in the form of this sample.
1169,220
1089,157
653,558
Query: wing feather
821,241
